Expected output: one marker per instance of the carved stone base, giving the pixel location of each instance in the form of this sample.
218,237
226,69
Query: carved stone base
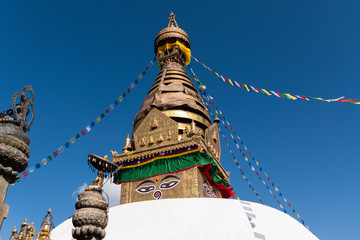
90,218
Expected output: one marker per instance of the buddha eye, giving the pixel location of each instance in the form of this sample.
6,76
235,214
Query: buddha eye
207,190
167,185
146,189
213,194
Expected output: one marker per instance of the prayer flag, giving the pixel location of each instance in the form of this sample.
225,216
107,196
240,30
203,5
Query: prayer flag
266,92
67,145
88,128
238,84
102,115
291,97
124,94
92,124
275,93
140,77
77,136
83,132
120,98
147,68
37,166
72,140
143,72
132,85
31,170
246,87
151,63
44,161
136,81
128,89
24,174
49,158
111,107
97,119
116,102
61,149
107,111
257,91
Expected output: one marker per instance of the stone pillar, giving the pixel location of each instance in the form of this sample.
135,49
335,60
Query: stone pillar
90,218
14,143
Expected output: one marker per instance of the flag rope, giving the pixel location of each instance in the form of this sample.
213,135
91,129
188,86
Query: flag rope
88,128
202,93
232,133
289,96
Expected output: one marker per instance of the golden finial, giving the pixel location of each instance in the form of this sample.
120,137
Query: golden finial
13,234
127,148
172,20
45,231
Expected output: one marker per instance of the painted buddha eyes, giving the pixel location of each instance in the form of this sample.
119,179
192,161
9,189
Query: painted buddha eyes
171,184
146,189
141,188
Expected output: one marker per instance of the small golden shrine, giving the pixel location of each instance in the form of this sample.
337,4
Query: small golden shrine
175,148
27,231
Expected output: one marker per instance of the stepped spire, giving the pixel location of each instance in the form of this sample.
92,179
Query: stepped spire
173,92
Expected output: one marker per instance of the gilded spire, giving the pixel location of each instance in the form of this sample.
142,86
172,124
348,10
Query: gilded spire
173,92
172,20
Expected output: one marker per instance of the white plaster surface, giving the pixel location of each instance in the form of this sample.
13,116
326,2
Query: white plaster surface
195,218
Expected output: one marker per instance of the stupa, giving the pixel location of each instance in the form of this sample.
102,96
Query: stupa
173,185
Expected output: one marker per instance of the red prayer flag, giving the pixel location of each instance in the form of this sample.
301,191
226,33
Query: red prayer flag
106,111
24,174
128,90
55,153
83,132
347,100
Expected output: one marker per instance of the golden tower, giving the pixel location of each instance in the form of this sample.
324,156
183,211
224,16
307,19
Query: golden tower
175,149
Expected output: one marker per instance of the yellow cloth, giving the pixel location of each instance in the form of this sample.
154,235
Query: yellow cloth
292,97
266,92
72,140
185,50
230,82
246,87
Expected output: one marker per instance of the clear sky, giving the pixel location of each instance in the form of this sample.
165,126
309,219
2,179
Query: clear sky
79,56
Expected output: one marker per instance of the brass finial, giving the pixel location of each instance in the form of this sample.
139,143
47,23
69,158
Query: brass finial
13,234
172,20
45,231
127,147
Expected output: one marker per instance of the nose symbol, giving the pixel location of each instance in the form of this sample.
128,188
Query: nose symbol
157,194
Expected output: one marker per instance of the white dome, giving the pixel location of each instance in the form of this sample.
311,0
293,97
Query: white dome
196,218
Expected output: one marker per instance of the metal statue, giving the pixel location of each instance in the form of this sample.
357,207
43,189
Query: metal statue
14,143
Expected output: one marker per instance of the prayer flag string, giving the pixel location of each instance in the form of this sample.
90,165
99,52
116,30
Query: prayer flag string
202,93
210,102
88,128
288,96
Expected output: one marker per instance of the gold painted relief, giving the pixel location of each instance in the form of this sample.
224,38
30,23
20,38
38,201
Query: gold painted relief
155,130
212,140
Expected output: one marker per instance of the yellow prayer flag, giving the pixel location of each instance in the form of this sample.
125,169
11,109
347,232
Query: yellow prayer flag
221,112
238,137
292,97
238,198
120,98
230,82
246,87
298,216
321,99
244,176
140,77
266,92
72,140
276,189
216,112
235,160
203,87
97,119
44,161
257,163
232,136
217,74
356,102
281,206
264,182
246,159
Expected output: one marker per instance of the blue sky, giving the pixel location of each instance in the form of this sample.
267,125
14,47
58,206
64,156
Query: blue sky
79,56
